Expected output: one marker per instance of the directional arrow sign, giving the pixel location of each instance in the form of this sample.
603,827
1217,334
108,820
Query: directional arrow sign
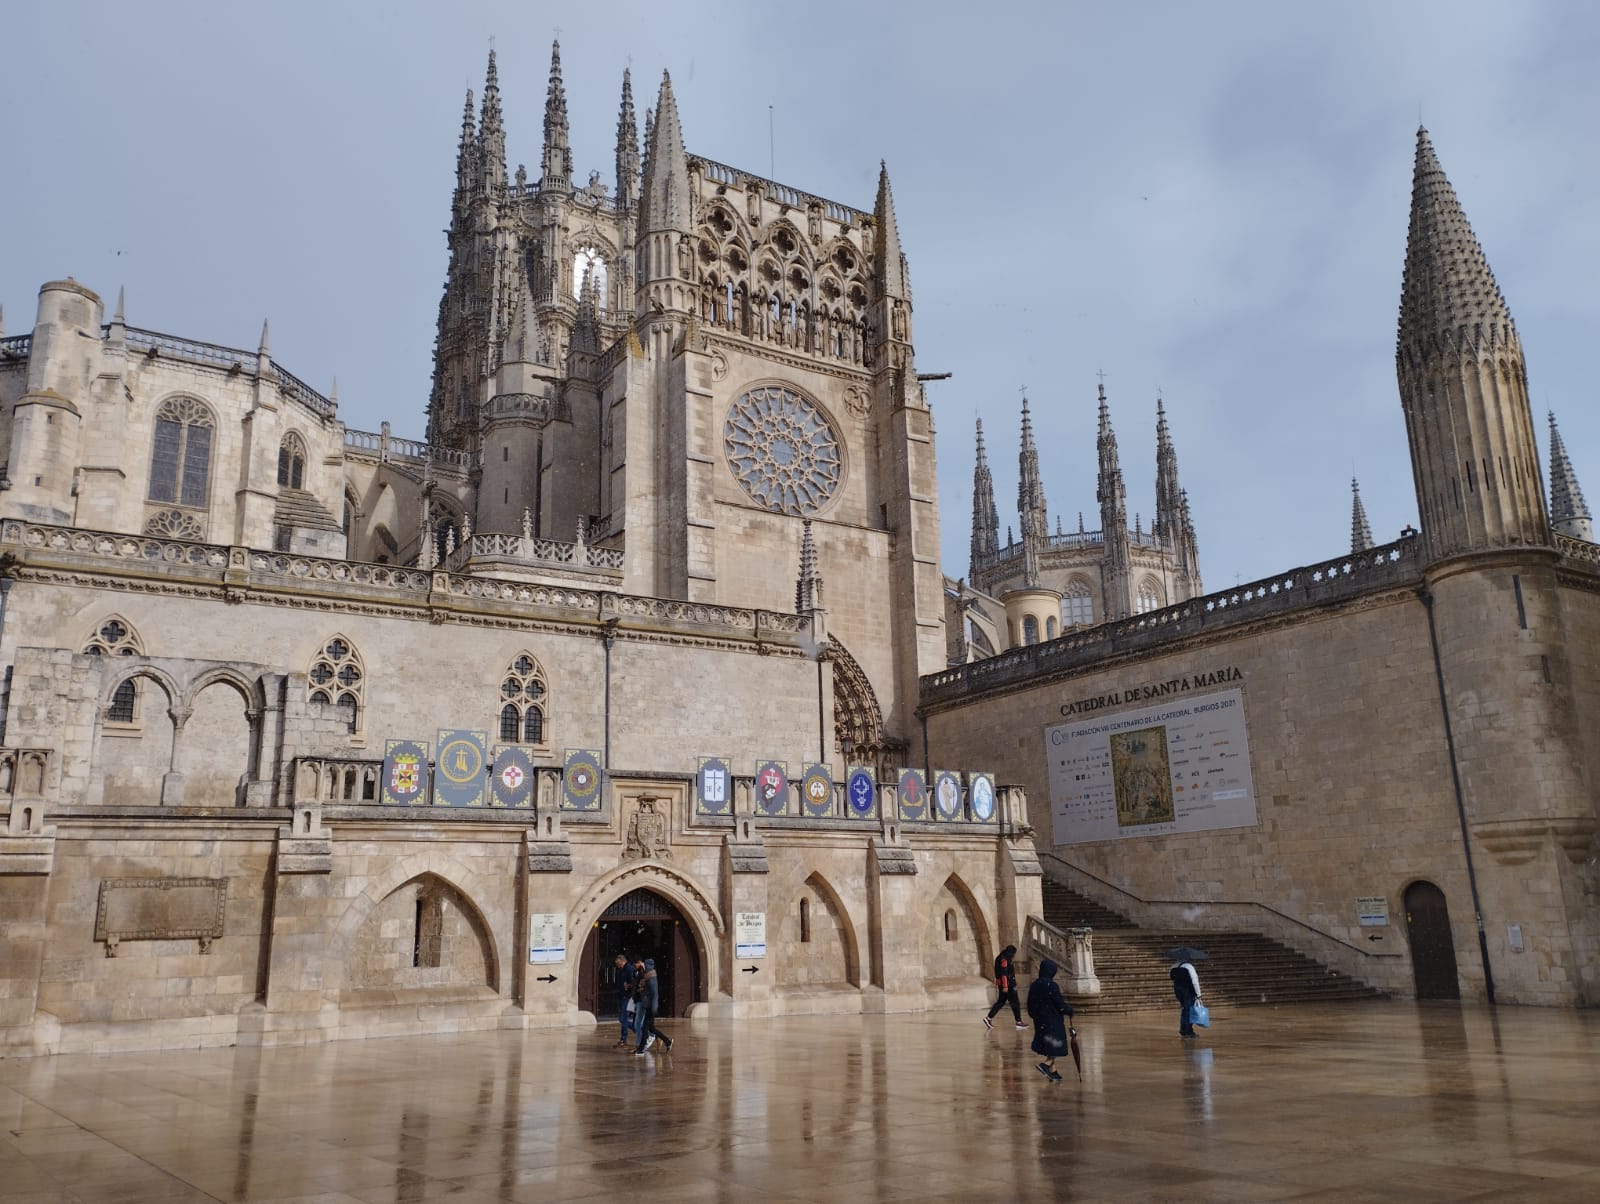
546,978
751,970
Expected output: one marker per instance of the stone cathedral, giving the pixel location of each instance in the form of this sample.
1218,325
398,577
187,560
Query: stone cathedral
310,733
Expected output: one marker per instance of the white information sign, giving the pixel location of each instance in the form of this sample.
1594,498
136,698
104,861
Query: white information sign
1181,766
1372,911
547,937
750,934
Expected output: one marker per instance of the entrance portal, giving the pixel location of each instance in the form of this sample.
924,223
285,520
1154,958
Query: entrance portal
1433,948
641,924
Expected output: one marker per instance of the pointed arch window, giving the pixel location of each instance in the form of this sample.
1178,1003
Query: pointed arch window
180,455
1030,629
524,702
338,679
291,462
115,636
1147,599
1077,606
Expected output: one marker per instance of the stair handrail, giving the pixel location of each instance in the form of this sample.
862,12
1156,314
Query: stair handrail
1246,903
1072,950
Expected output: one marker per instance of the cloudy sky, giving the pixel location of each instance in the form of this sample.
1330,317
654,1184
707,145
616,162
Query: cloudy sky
1208,200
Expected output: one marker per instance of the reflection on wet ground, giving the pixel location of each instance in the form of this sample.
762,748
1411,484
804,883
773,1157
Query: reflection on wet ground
1368,1101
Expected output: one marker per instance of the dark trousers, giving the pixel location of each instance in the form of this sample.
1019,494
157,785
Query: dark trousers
1185,1029
1007,996
646,1020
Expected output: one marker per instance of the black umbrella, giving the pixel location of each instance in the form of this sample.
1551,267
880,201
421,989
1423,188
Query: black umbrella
1077,1054
1185,954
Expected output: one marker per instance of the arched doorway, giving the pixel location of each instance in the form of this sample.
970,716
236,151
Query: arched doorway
1433,947
641,924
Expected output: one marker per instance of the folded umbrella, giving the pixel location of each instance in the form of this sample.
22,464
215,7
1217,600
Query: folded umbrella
1077,1054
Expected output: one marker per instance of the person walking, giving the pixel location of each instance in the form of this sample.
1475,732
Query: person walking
1005,981
625,1002
1186,986
648,996
1049,1011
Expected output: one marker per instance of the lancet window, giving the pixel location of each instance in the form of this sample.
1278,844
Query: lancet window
1147,599
524,697
115,636
1077,607
291,462
337,679
180,456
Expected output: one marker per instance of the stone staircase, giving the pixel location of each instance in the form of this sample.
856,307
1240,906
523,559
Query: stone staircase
1243,967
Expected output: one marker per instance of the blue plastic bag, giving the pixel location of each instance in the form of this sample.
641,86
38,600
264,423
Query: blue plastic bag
1199,1014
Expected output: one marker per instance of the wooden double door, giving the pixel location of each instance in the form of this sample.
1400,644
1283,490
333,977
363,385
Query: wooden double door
641,924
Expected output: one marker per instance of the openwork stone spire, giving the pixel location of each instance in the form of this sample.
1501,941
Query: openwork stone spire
491,154
466,154
557,149
1569,513
1168,522
985,518
1112,496
1360,530
808,588
888,262
627,147
1463,384
1031,508
666,169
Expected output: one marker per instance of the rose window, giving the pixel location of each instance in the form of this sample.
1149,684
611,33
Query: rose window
782,451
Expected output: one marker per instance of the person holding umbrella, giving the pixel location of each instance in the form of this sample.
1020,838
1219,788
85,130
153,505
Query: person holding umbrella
1048,1010
1186,986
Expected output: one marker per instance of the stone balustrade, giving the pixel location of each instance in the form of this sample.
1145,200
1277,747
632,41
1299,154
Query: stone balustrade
1072,950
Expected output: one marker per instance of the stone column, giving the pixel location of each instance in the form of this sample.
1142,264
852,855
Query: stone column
744,887
894,922
547,866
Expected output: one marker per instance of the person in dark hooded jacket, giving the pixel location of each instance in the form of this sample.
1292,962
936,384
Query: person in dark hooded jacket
1005,981
648,994
1048,1011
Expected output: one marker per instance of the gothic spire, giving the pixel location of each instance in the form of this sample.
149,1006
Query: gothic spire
888,263
1031,508
491,149
808,588
1112,496
1569,513
1360,529
1167,527
665,191
1463,384
466,150
586,329
627,146
557,151
985,518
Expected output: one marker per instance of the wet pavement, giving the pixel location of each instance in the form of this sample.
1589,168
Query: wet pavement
1349,1102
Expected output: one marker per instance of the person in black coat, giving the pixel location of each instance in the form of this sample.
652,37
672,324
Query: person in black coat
1005,981
625,977
1186,986
1048,1011
648,993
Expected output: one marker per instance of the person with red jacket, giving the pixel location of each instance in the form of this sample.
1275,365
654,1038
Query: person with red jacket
1005,981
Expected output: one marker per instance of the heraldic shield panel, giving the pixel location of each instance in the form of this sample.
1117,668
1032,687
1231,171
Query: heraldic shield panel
405,773
981,788
713,786
580,780
860,792
772,787
946,795
461,772
511,783
913,795
816,791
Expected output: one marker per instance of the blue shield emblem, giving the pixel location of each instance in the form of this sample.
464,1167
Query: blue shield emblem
713,786
580,780
913,795
405,773
860,791
816,792
511,783
461,770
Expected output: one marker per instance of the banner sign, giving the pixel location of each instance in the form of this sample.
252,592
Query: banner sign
1182,766
946,795
511,783
816,791
772,787
913,795
580,780
405,773
980,788
860,791
460,774
749,934
713,786
547,937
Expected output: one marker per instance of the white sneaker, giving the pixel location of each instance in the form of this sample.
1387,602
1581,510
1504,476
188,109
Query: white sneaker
650,1040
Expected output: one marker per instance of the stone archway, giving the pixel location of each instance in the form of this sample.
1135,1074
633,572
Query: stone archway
858,731
641,924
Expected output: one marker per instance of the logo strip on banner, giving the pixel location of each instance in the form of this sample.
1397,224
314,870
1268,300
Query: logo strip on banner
580,779
405,773
511,783
713,786
913,795
860,791
946,796
816,791
460,773
772,787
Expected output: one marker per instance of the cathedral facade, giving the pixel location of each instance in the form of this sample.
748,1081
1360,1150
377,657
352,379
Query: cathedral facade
345,733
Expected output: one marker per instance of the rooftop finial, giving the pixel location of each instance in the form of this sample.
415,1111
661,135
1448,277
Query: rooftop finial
1360,529
266,347
1569,513
557,149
